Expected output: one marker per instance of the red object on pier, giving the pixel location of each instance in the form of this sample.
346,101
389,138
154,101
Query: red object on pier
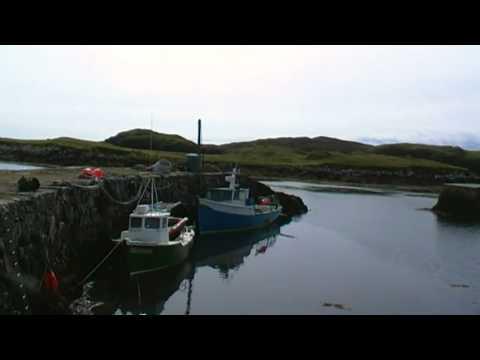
50,281
96,173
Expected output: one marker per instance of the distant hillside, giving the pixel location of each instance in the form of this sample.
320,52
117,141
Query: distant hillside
303,144
433,152
140,139
293,155
69,151
308,151
452,155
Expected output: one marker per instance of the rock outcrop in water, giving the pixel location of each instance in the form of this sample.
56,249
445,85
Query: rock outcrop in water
70,227
460,202
291,205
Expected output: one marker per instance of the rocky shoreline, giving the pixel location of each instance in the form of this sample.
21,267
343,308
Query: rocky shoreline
400,177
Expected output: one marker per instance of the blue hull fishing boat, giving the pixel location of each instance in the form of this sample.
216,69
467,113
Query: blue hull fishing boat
228,209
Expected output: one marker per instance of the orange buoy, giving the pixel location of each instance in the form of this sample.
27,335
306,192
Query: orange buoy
50,281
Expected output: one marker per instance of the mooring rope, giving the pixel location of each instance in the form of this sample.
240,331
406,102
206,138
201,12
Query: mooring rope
101,185
128,202
87,187
100,263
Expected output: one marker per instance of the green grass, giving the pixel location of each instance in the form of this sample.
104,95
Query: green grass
452,155
93,149
362,160
472,156
259,153
271,155
146,139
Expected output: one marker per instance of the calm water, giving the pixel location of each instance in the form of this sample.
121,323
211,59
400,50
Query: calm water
16,167
352,253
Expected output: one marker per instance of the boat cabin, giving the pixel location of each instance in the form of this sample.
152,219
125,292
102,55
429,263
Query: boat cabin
148,225
232,193
228,194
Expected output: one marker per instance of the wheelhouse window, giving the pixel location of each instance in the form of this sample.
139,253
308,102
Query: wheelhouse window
152,223
243,194
236,195
135,222
220,194
227,194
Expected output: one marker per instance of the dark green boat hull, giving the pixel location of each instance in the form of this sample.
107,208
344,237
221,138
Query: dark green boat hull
143,259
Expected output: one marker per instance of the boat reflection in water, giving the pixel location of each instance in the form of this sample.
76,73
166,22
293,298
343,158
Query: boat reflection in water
148,293
227,252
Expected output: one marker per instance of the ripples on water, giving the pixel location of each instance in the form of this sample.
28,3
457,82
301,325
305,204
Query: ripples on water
352,253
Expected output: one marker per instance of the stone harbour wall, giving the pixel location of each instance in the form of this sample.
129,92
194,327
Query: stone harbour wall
68,229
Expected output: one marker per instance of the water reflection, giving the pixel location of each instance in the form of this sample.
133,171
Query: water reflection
226,252
373,254
447,222
458,245
147,294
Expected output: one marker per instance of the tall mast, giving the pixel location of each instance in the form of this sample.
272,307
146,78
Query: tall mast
151,149
151,130
199,141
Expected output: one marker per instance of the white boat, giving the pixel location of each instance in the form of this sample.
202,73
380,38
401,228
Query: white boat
154,239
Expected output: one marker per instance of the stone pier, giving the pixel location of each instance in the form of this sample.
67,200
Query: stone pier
68,226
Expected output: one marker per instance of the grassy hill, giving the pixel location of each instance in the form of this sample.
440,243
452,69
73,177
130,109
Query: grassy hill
140,139
297,154
452,155
300,144
70,151
274,155
320,151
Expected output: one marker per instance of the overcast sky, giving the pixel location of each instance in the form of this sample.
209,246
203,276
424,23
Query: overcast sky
370,93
